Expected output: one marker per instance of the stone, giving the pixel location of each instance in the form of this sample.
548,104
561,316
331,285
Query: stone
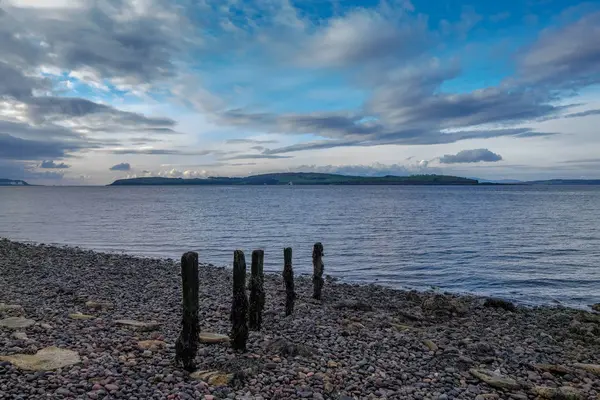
430,345
595,307
500,303
151,344
442,305
561,393
81,316
16,323
47,359
211,338
111,387
553,368
400,327
20,335
214,378
487,396
286,348
138,325
494,379
98,305
10,307
353,305
591,368
332,364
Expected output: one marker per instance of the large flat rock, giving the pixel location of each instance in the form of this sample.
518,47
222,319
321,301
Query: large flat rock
47,359
16,322
560,393
591,368
210,338
80,316
214,378
495,380
138,325
10,307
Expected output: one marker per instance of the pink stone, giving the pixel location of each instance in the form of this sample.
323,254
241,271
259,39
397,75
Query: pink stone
209,397
96,386
111,387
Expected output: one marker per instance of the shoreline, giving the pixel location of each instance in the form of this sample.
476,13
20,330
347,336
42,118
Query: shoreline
522,301
364,341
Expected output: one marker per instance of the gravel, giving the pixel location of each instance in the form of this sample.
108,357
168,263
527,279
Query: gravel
359,342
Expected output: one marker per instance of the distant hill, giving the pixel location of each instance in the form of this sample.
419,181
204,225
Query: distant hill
13,182
301,178
565,182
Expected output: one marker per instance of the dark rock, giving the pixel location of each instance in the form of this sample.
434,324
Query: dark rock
500,303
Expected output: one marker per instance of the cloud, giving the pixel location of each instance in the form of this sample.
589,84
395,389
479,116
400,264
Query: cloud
22,149
415,137
375,169
408,107
50,164
164,152
249,141
10,169
187,174
121,167
554,61
255,156
52,109
471,156
129,42
582,114
365,36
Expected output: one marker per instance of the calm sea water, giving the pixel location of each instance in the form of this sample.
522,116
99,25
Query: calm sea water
533,244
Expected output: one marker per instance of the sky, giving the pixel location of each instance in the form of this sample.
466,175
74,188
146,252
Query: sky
96,90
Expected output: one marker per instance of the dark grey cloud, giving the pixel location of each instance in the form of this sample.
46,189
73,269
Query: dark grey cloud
22,149
249,141
10,169
410,138
407,107
15,84
131,42
583,161
471,156
50,109
583,114
50,164
121,167
564,58
129,46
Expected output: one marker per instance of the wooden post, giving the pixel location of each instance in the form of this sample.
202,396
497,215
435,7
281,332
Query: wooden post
239,306
318,268
187,343
257,292
288,278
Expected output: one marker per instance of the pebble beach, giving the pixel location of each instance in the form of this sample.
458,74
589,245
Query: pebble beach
359,342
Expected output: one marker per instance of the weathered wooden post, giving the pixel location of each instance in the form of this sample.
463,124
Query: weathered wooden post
288,278
318,268
257,292
187,343
239,306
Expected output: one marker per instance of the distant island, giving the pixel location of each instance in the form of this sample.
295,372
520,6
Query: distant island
13,182
302,178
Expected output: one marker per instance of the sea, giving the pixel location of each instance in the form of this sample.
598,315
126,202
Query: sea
536,245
